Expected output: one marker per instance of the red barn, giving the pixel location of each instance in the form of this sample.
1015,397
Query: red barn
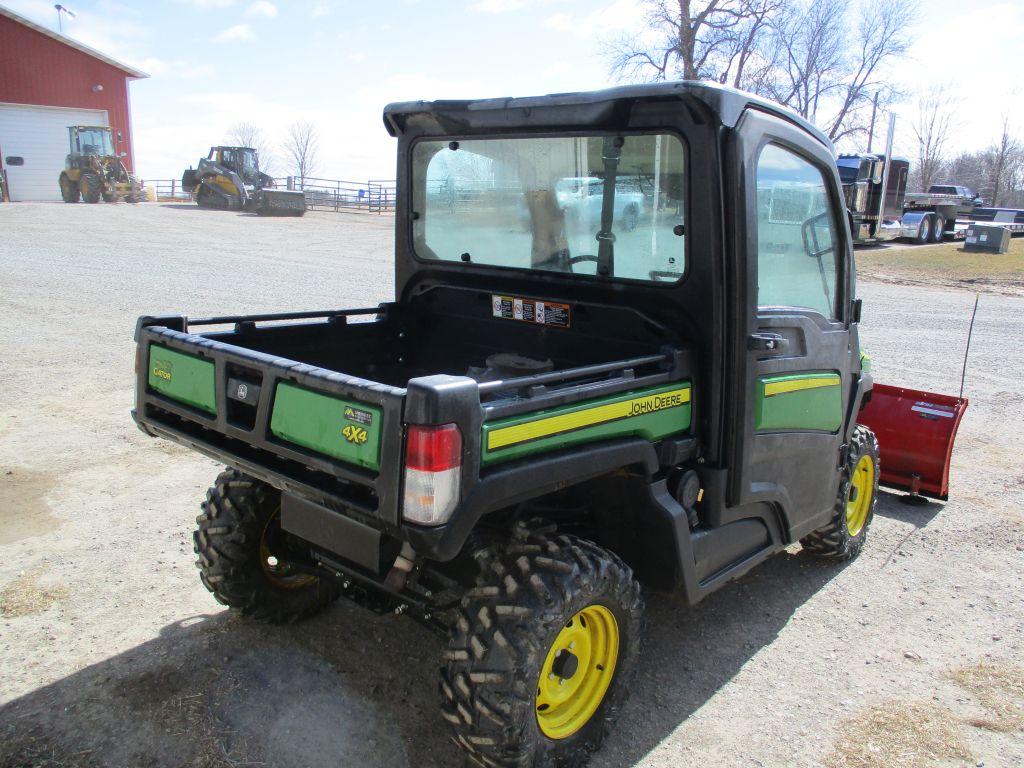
47,83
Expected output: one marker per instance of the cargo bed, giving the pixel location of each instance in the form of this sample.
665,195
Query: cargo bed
317,402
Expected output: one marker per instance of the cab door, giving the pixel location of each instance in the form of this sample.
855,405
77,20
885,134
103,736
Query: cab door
794,382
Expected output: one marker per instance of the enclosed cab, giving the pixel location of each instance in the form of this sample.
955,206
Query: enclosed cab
862,176
563,400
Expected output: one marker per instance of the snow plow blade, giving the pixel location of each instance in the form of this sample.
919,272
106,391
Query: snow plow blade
915,432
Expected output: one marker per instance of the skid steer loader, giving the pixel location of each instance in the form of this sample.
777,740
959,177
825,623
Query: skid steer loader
229,178
93,171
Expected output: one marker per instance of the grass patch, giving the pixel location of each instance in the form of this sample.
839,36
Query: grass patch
899,734
25,596
946,264
999,688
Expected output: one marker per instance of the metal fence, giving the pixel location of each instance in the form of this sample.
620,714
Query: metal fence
371,196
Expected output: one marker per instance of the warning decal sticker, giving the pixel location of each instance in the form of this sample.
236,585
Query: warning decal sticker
531,310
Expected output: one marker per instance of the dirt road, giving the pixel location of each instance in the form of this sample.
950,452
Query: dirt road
112,653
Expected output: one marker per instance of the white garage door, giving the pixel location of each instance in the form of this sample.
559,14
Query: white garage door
39,135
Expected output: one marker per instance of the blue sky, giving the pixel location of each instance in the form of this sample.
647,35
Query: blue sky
338,62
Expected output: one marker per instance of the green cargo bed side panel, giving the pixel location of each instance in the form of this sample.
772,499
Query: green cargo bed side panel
345,429
812,401
186,378
652,413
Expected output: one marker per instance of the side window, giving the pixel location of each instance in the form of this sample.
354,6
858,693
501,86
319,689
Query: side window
796,240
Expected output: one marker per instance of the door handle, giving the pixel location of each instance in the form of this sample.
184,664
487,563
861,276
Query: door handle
766,342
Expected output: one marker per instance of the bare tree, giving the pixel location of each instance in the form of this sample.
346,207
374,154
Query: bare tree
811,38
251,135
685,38
882,37
823,58
301,146
1007,159
931,131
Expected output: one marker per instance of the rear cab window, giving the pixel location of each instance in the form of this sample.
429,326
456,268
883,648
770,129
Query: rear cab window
541,203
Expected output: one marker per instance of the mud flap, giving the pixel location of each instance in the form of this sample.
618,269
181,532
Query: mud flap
915,432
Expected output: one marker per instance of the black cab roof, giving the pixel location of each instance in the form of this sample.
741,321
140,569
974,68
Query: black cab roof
724,103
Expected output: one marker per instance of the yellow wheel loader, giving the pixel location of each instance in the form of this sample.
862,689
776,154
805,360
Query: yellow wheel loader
93,171
229,178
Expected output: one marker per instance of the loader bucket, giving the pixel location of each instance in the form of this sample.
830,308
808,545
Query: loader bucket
281,202
915,432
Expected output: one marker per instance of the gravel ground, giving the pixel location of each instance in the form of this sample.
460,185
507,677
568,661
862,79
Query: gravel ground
112,654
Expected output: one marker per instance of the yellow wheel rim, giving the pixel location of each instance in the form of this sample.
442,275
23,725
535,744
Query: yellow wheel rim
858,499
577,672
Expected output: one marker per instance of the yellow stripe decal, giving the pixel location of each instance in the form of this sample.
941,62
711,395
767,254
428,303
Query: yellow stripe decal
567,422
785,386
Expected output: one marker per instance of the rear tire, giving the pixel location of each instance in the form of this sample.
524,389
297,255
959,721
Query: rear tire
69,191
938,229
511,639
90,187
843,538
924,231
241,547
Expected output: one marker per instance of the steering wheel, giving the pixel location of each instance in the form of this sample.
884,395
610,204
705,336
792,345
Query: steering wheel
573,260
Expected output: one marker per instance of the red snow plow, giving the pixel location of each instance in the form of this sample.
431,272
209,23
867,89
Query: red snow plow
915,432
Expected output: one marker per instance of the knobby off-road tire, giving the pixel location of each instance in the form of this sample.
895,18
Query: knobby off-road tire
844,536
69,192
238,541
89,184
531,593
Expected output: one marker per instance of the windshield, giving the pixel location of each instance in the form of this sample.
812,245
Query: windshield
849,169
95,141
242,160
590,205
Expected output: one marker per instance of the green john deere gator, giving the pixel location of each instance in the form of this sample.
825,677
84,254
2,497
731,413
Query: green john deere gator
558,406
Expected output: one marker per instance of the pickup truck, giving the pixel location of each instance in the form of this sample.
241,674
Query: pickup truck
542,421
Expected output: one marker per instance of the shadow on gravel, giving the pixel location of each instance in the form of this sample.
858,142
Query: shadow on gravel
352,689
919,513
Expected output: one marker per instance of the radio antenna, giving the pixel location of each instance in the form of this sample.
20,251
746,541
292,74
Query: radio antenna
970,330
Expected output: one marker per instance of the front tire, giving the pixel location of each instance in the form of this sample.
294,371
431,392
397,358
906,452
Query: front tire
69,192
90,186
243,552
843,538
543,651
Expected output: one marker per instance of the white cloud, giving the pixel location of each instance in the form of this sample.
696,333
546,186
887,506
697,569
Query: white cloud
498,6
262,8
152,65
616,18
204,4
322,8
237,33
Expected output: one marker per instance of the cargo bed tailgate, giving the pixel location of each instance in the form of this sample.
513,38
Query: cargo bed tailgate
324,432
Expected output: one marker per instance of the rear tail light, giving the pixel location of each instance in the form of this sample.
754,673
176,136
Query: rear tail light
433,473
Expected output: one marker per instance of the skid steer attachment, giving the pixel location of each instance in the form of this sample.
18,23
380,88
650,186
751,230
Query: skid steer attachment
915,432
281,202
